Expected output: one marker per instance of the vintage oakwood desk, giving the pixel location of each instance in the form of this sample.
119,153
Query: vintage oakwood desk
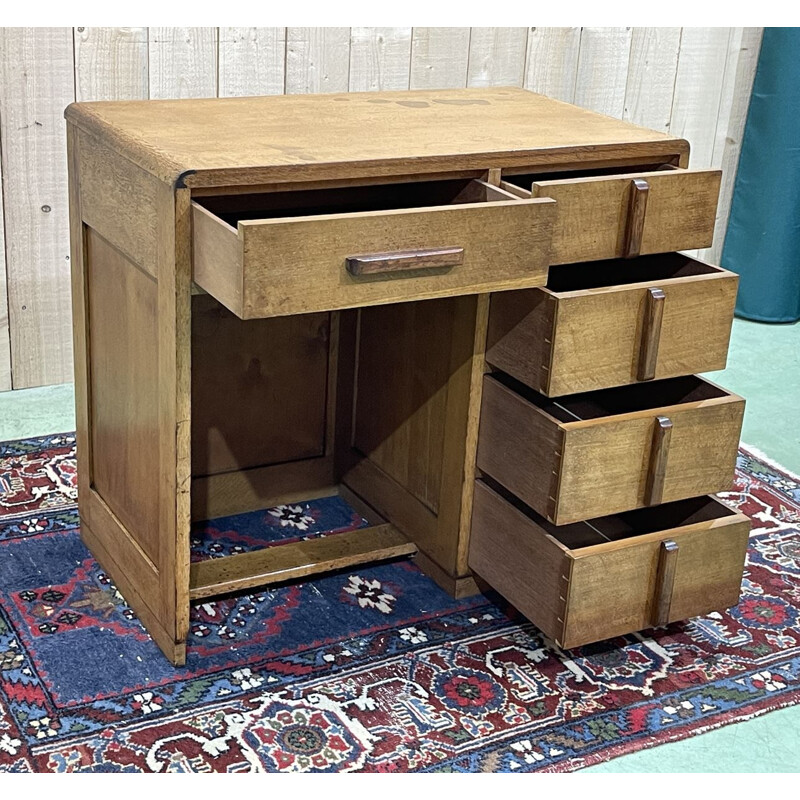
463,310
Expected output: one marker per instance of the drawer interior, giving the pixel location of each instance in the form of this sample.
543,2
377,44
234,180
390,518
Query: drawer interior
627,525
621,271
524,180
618,400
351,199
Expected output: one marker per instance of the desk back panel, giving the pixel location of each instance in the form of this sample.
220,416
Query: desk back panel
408,403
401,396
258,388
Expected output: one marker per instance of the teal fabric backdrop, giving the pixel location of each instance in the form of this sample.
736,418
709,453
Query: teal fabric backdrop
763,239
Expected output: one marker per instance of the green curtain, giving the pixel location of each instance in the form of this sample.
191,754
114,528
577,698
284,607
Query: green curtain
763,239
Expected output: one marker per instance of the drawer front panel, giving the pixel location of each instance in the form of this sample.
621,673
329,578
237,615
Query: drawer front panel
567,342
304,264
606,217
615,588
605,465
589,593
588,468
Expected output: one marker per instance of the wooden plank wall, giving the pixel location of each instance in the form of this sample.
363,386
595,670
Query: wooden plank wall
693,82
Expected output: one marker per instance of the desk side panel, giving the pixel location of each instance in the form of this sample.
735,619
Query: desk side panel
131,280
123,365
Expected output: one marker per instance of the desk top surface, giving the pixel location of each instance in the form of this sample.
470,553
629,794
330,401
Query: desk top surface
245,140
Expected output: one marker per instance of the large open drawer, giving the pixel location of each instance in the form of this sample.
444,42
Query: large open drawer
292,252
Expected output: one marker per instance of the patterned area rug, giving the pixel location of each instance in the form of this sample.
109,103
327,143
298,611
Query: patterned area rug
372,670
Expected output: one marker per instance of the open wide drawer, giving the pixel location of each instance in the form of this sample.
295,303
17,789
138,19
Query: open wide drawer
624,212
593,580
292,252
613,323
613,450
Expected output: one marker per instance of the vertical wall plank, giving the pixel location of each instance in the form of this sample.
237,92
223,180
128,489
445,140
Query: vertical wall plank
317,60
551,62
740,71
5,340
380,59
698,90
38,80
111,64
183,62
497,56
603,69
651,76
439,58
694,82
251,61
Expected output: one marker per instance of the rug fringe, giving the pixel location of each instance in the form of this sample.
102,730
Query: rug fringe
770,462
628,748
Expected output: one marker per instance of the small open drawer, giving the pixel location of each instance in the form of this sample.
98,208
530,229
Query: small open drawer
618,322
593,580
613,450
292,252
626,213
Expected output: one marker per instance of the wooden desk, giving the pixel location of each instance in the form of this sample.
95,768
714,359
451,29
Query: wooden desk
282,298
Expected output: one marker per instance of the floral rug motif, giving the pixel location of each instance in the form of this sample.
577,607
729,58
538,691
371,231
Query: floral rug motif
374,669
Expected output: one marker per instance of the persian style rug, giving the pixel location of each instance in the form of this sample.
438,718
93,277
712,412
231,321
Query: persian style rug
373,670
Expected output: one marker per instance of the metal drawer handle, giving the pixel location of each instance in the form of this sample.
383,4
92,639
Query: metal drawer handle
665,581
657,468
377,263
637,206
651,334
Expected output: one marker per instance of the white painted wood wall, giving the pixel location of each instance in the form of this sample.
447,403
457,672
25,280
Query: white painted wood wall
692,82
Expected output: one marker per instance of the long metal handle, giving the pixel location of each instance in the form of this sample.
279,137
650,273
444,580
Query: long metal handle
657,468
651,334
665,581
637,206
376,263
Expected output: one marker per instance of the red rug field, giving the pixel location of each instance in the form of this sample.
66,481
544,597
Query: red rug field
372,670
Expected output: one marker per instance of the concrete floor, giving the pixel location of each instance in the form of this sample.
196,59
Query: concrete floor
764,367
